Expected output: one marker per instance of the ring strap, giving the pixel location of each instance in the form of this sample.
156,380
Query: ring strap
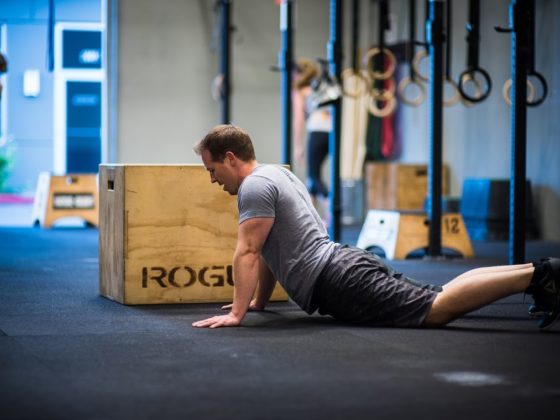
448,39
473,41
530,19
473,34
411,36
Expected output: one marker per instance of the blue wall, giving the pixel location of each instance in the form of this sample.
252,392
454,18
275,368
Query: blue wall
30,120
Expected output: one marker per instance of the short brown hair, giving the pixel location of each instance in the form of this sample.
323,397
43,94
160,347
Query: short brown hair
226,138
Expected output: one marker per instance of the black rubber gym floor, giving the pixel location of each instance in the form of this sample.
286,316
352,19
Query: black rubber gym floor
67,353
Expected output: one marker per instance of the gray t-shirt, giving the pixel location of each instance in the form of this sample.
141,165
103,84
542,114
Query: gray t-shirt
298,246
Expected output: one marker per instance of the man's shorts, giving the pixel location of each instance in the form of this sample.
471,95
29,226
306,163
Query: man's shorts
357,287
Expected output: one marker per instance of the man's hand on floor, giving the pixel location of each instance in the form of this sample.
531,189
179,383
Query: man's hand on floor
228,320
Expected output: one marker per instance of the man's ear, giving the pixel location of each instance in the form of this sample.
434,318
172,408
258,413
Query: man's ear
231,158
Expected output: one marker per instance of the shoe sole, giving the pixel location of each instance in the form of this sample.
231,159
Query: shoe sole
555,265
555,268
547,327
535,312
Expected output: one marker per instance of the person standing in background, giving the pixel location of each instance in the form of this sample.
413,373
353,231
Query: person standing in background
317,124
3,69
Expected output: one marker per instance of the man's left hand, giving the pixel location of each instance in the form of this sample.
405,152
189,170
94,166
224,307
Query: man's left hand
228,320
253,306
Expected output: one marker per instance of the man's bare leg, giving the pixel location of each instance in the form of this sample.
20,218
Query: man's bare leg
486,270
483,287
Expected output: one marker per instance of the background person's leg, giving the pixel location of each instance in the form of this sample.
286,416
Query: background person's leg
317,151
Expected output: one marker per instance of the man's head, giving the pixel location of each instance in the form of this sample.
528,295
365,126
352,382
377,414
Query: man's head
226,138
228,155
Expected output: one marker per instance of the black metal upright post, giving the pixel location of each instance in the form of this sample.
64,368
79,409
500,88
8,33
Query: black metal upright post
285,63
225,57
411,31
334,56
434,31
355,34
520,12
384,25
50,35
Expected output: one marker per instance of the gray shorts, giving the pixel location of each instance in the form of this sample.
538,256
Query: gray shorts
357,287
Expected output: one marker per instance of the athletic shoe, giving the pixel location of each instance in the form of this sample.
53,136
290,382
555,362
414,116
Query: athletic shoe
535,311
548,319
547,293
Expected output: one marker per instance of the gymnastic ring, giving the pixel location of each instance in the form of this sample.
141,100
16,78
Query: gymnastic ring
380,75
456,97
387,110
420,55
507,88
359,91
467,76
384,94
418,99
531,90
544,89
477,91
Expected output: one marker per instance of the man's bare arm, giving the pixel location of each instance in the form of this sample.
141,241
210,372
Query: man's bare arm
246,270
264,288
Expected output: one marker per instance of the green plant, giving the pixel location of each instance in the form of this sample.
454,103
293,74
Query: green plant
4,173
6,161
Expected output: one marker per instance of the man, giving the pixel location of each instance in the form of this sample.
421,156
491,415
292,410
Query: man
282,237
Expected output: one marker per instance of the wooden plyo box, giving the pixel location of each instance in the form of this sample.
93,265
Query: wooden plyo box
397,186
60,196
399,233
166,235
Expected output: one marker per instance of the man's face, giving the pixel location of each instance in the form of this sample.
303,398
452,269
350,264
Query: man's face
222,172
